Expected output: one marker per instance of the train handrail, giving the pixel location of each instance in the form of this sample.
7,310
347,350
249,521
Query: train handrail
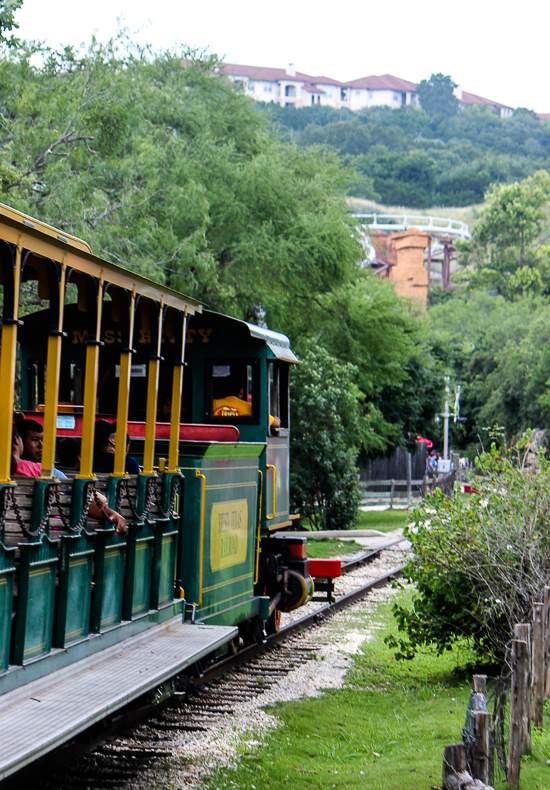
201,553
257,571
271,466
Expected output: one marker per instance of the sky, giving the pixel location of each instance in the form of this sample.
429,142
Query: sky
499,51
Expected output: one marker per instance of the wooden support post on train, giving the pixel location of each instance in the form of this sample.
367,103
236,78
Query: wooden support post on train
522,631
546,641
519,659
538,664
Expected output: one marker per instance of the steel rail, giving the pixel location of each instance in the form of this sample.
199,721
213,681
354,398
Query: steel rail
307,621
124,719
368,556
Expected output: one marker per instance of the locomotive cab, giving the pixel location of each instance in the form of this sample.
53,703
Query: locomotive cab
240,375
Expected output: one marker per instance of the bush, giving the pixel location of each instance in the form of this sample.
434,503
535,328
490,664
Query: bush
327,423
480,563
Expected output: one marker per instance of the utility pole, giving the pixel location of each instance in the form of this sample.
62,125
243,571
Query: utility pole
446,416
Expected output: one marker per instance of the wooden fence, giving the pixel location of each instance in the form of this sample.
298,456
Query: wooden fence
407,489
529,668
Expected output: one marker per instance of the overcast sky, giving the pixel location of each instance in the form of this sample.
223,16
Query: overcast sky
499,51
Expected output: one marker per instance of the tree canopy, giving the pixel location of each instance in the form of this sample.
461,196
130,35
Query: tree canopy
164,166
421,157
7,19
160,164
437,97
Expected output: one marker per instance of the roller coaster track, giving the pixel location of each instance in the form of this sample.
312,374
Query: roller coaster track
444,226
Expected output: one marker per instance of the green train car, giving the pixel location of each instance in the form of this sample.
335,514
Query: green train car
94,617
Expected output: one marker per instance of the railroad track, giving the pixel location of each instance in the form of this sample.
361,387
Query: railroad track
109,760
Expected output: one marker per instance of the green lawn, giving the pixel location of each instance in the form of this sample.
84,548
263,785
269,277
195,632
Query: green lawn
384,520
384,731
331,547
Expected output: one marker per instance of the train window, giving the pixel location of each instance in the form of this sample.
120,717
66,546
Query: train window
231,392
278,392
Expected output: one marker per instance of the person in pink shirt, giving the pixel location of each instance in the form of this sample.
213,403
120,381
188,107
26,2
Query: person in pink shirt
22,466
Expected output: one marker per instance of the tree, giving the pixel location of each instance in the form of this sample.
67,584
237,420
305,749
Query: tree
507,245
399,359
163,166
328,424
7,11
499,353
436,96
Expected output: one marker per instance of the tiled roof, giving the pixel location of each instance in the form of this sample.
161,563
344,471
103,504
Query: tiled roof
387,82
262,73
472,98
312,88
326,81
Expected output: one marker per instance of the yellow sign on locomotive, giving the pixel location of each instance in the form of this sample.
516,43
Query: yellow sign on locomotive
228,534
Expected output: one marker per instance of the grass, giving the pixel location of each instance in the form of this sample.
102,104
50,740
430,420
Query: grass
384,731
331,547
383,520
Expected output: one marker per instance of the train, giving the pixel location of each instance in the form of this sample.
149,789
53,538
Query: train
93,617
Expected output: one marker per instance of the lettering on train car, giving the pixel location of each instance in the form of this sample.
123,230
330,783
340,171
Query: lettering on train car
204,335
228,534
142,337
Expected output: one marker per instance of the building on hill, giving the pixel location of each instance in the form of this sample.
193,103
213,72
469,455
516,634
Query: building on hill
386,90
466,99
291,88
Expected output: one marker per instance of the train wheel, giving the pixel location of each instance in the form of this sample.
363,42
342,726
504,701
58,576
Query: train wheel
298,592
274,622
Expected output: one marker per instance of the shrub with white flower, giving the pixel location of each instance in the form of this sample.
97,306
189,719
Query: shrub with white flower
479,563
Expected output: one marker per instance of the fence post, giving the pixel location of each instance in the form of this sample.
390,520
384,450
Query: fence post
538,664
547,641
517,702
522,631
479,684
480,761
409,480
454,762
391,494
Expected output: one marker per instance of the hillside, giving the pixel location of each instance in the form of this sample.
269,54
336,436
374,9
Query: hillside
405,156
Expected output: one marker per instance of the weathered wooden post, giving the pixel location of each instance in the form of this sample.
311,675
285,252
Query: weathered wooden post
454,764
522,631
392,489
538,664
547,641
519,659
480,761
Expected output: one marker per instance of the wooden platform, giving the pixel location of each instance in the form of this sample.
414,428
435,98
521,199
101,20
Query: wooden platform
45,713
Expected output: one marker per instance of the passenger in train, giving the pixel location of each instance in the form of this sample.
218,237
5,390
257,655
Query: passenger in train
235,405
98,509
29,453
104,449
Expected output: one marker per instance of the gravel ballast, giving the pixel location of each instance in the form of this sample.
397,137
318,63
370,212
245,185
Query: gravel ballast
334,642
